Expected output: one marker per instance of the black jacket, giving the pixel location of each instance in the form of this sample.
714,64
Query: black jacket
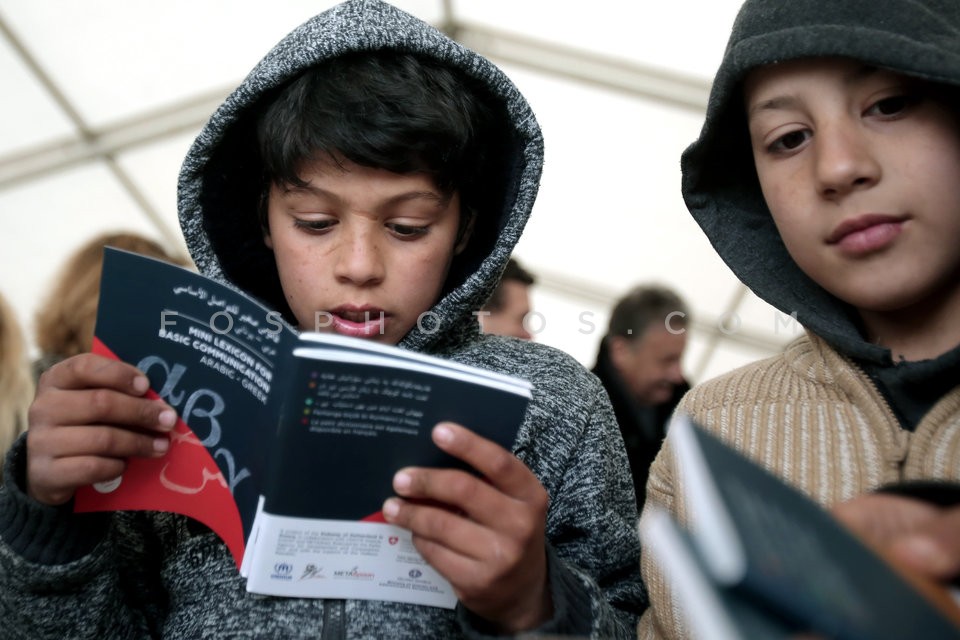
643,428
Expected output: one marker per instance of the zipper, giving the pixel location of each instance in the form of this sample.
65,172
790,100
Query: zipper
901,437
334,620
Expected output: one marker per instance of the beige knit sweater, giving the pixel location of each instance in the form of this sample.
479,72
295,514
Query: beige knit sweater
812,417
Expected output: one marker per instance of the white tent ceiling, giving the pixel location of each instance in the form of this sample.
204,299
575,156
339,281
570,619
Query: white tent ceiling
103,97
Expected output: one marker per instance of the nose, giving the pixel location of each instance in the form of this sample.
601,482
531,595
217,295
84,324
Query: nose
523,333
675,374
845,161
359,258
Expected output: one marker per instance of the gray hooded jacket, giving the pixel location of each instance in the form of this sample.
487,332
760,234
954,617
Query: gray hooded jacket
139,575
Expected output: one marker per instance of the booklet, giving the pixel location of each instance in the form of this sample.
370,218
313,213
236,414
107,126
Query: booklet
287,443
762,559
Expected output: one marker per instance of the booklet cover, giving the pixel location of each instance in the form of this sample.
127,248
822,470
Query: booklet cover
715,612
761,544
287,444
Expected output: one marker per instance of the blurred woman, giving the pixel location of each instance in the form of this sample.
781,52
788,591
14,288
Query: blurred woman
16,384
65,322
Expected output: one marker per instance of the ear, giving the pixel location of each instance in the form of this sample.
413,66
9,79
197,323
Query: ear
263,215
619,348
465,231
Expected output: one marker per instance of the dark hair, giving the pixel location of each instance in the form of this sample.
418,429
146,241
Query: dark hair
386,110
381,109
512,272
641,307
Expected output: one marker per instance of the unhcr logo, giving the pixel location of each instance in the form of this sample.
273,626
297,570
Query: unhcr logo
282,571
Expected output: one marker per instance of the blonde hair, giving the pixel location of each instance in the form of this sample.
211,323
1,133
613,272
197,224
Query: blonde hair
16,381
65,322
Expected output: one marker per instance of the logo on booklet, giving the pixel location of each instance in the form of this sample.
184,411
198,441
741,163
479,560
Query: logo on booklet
282,571
312,572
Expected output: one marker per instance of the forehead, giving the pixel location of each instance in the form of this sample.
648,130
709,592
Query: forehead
658,341
515,293
770,85
330,177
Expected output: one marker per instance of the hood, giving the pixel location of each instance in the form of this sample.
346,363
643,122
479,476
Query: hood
219,186
917,37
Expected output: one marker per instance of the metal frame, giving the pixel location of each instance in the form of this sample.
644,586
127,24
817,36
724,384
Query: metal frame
103,144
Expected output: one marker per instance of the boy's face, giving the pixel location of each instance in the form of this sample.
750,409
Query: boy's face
860,168
362,252
510,318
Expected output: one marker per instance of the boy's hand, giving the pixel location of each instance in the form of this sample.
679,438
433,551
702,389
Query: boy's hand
88,417
487,537
921,536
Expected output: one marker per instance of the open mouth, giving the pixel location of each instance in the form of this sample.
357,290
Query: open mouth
360,323
361,316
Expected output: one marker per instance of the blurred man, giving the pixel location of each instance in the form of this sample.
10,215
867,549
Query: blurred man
505,312
639,363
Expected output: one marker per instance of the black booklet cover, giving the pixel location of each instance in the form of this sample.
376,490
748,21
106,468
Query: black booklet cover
765,555
309,426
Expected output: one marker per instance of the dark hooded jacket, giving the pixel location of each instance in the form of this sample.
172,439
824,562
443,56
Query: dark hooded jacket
916,37
833,415
138,575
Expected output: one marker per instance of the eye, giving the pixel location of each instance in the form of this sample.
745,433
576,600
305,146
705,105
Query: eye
789,141
892,106
314,226
406,230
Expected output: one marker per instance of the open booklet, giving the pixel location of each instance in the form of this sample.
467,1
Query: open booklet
287,443
763,560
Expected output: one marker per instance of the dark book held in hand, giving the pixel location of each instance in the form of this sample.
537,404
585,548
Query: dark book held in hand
287,443
763,560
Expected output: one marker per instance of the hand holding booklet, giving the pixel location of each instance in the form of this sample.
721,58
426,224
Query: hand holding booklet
287,443
763,560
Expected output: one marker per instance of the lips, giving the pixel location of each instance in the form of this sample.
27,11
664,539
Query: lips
360,322
866,233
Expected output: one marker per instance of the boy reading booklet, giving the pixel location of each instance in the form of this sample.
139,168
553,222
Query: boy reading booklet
369,178
266,413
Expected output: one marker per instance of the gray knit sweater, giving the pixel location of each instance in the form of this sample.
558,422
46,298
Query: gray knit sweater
143,575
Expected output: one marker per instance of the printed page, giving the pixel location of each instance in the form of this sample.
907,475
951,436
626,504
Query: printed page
318,558
351,421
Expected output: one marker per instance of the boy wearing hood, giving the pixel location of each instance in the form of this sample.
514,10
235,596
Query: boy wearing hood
369,177
827,176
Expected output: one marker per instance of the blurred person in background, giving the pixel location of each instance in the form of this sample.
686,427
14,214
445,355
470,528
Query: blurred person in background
639,364
16,384
65,321
506,311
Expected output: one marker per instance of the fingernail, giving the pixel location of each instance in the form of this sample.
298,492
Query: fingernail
391,507
925,552
442,434
402,481
167,418
160,445
141,384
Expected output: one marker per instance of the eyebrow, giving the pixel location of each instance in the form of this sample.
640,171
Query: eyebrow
780,102
407,196
862,72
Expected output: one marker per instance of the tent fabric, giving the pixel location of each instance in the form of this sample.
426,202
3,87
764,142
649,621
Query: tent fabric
108,95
